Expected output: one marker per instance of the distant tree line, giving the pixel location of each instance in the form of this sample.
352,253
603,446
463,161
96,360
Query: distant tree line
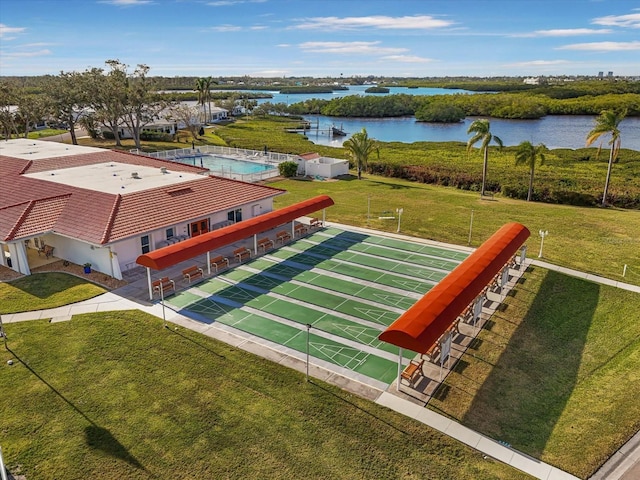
455,107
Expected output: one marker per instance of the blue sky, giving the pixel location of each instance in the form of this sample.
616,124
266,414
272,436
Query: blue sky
319,38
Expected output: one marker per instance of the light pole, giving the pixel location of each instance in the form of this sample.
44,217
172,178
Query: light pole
164,318
542,233
308,329
399,212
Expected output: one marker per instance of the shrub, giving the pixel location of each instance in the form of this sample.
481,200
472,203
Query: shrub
288,169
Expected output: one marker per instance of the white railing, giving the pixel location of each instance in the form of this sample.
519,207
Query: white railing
243,154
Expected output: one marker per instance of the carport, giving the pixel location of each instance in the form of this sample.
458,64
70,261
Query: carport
173,254
422,325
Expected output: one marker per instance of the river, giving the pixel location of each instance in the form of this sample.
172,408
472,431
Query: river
555,131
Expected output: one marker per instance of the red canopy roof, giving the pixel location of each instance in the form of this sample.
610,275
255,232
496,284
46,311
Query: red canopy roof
179,252
419,328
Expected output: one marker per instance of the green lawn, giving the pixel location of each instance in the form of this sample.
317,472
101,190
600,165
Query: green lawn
593,240
114,395
556,373
45,290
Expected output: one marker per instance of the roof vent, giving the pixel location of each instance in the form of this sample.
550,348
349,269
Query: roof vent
135,175
163,170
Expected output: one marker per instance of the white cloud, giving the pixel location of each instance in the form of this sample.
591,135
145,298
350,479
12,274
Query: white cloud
407,59
603,46
366,48
40,53
632,20
538,63
416,22
227,28
5,29
570,32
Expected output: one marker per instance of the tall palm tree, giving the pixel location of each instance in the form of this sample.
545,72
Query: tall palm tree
481,131
203,93
359,147
608,122
527,154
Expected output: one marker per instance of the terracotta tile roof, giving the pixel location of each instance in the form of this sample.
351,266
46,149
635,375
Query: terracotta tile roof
166,206
29,206
41,216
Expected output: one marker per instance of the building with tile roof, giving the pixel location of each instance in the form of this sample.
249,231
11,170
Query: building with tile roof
107,207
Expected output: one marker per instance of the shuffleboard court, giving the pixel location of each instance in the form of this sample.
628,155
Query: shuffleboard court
347,286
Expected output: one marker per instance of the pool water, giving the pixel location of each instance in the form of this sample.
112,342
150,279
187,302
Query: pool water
223,164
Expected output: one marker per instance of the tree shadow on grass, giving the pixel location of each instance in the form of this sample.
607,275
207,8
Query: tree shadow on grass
95,436
101,439
527,390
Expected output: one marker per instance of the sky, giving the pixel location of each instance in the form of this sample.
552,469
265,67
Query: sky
323,38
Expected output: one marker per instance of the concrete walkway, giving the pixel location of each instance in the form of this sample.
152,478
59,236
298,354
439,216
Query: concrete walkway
621,466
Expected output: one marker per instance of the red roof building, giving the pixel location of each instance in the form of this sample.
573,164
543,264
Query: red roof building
107,207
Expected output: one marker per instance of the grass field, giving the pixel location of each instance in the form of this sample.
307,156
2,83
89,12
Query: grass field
593,240
114,395
45,290
546,376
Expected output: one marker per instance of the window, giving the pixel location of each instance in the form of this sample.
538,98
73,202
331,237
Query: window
170,233
144,242
235,215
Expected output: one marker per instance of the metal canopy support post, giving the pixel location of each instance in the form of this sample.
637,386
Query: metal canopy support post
149,282
293,229
208,263
399,368
324,216
255,244
164,318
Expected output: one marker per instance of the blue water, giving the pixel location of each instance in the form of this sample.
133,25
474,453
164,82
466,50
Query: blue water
224,164
555,131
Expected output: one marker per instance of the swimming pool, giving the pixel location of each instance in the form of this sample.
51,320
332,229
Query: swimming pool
219,164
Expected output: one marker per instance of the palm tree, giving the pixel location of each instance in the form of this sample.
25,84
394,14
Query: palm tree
202,88
608,122
481,131
527,154
359,147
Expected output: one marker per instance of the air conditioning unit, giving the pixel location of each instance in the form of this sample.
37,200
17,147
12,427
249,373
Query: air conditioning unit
163,170
135,175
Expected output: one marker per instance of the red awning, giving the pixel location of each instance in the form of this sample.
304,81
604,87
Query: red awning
419,328
179,252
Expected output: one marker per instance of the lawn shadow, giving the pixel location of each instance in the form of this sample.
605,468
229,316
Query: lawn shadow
96,436
102,439
527,390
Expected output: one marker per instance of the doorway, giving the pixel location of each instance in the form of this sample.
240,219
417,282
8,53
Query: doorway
199,227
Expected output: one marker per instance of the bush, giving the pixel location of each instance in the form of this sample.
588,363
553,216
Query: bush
288,169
